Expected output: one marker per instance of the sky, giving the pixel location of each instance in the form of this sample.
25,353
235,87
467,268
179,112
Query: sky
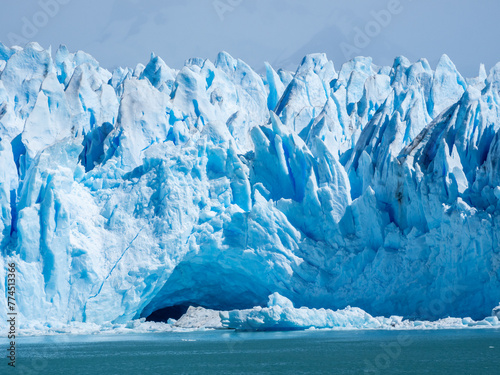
125,32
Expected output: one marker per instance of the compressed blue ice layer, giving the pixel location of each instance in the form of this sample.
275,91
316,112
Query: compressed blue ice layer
125,192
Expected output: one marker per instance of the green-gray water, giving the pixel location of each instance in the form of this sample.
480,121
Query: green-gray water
226,352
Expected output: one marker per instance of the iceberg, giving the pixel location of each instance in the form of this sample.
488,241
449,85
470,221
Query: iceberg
281,315
126,192
198,318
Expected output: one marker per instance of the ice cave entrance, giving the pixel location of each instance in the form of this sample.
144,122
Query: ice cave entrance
171,312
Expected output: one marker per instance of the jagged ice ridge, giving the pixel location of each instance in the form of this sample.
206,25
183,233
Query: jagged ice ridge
125,192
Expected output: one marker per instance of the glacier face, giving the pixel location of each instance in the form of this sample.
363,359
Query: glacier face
125,192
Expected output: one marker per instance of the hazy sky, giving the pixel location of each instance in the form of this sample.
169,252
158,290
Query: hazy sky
125,32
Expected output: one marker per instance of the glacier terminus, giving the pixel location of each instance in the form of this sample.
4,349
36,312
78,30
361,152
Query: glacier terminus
123,193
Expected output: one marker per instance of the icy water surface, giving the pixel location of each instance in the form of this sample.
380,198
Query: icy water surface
227,352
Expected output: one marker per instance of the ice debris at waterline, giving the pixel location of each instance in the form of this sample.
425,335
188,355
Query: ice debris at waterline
126,192
280,315
195,319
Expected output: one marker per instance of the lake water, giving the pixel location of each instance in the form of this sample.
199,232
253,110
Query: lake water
226,352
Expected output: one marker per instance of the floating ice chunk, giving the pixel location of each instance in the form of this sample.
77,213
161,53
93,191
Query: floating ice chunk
198,317
281,315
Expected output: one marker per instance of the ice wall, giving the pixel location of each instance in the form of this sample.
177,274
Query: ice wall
122,193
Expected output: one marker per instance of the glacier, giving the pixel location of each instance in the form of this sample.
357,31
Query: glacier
126,192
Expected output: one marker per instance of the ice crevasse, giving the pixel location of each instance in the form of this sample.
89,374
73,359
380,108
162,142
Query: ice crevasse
125,192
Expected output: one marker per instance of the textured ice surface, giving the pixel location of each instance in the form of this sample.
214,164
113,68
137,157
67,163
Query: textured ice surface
125,192
280,314
198,318
496,312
